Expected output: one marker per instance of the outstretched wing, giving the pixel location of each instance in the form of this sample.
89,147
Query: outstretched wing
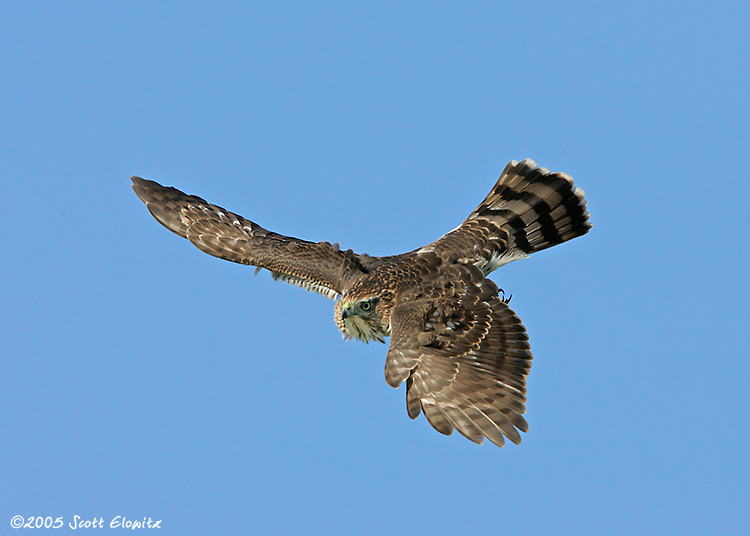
464,355
321,266
529,209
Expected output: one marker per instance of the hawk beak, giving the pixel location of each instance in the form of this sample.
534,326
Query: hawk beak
346,308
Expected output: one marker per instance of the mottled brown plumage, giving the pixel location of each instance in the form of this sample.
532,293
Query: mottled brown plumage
463,352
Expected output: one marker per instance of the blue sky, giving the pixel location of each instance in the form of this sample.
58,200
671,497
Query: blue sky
143,378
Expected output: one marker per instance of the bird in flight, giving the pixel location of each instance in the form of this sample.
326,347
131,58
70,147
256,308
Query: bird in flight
463,353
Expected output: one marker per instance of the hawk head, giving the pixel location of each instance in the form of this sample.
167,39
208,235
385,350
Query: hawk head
364,317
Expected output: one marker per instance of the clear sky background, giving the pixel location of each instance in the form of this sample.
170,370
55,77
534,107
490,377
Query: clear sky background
141,377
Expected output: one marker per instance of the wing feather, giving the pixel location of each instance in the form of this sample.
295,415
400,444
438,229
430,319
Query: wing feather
320,267
465,357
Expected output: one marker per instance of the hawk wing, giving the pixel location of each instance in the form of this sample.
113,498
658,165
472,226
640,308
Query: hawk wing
464,355
321,266
529,209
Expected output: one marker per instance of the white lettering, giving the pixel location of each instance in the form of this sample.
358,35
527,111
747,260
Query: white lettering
80,523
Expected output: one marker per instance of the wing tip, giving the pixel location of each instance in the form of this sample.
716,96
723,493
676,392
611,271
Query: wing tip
143,188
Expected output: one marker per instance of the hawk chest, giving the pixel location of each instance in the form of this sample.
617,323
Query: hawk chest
365,329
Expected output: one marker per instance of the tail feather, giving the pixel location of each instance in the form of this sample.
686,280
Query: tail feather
537,208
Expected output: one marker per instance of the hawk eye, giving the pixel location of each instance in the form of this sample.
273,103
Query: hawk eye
365,305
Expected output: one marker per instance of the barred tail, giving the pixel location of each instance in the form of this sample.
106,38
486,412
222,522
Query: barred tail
537,209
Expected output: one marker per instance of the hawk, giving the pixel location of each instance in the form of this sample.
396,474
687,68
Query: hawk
462,352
